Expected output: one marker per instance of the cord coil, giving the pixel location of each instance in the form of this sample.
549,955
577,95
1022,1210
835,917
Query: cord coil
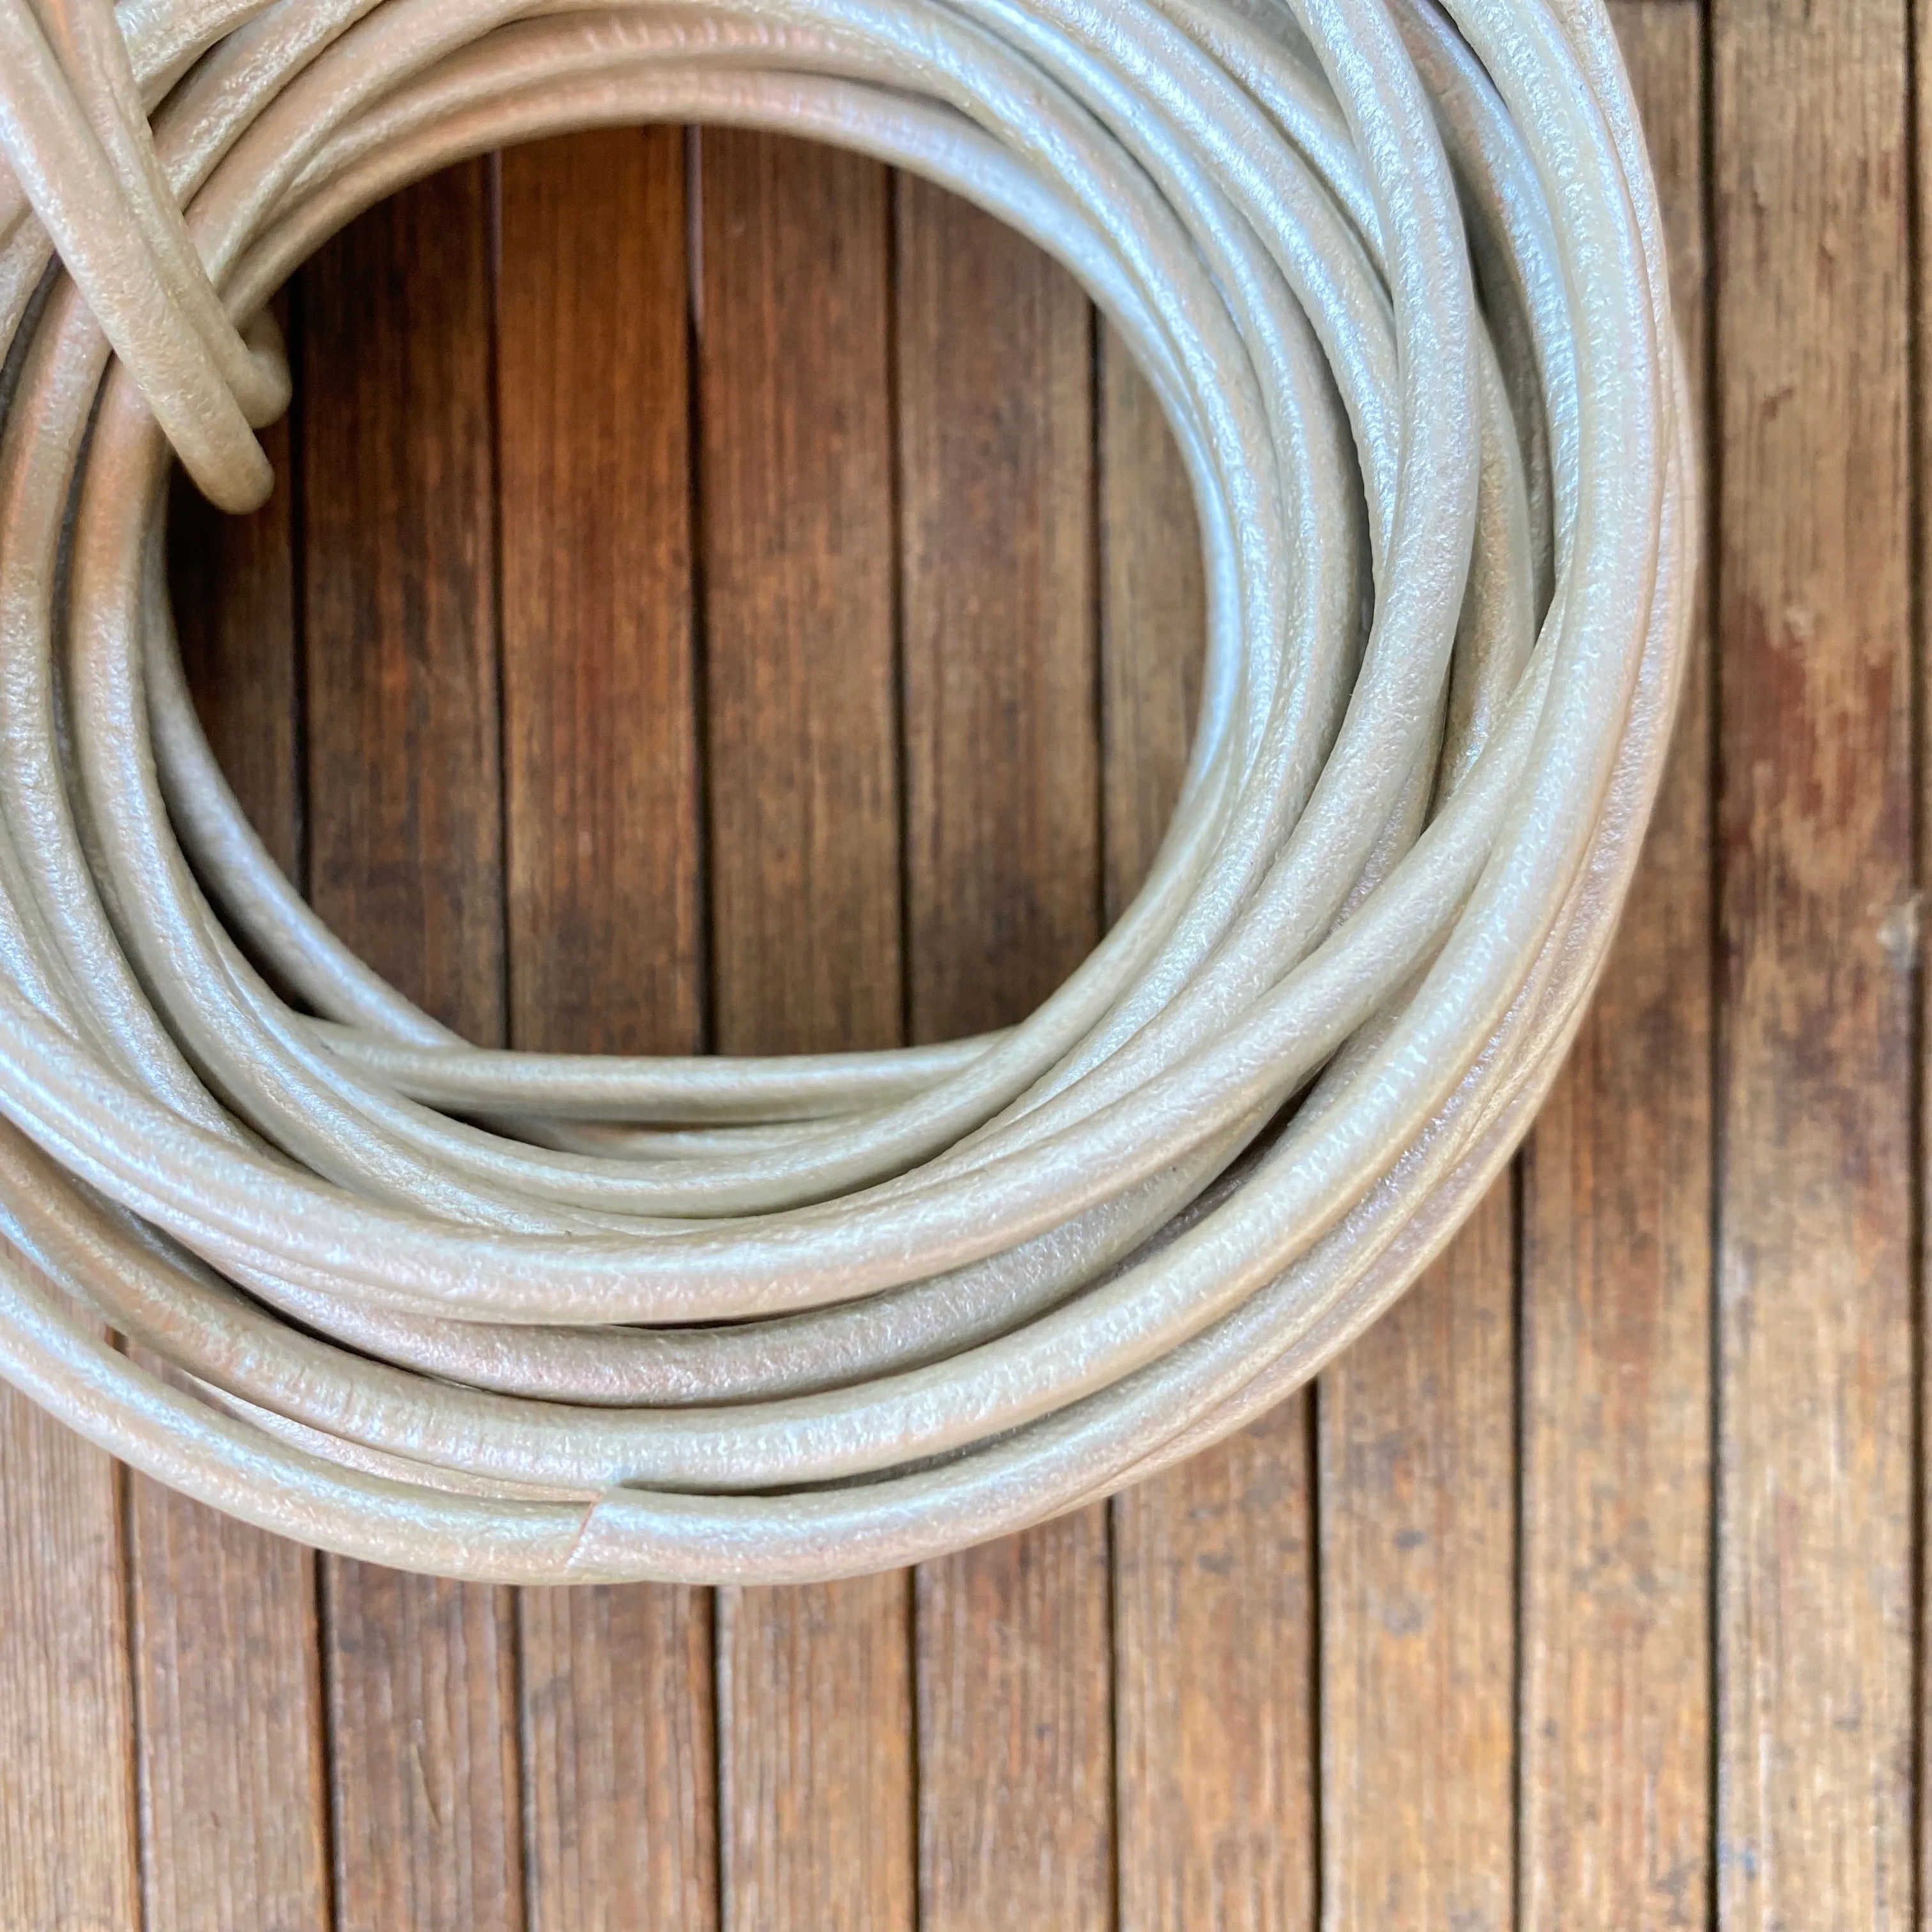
1397,275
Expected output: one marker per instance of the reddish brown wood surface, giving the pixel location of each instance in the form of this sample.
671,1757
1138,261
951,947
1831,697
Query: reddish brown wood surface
1817,933
68,1835
1415,1444
1616,1305
725,596
996,454
606,949
405,861
794,309
1213,1561
227,1659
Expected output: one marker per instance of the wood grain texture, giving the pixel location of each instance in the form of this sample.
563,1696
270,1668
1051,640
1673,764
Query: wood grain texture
1213,1565
227,1660
405,843
1616,1297
68,1833
701,787
599,726
405,863
233,1806
995,379
424,1751
814,1684
1415,1454
1015,1756
618,1759
796,469
996,427
1154,620
814,1700
1815,1672
606,951
233,580
1921,112
1213,1687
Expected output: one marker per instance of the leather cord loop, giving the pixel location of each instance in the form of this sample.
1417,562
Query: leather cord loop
72,125
1395,273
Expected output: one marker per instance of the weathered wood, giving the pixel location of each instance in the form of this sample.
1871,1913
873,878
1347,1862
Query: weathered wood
1415,1453
1153,622
68,1836
618,1758
796,468
814,1684
606,950
1921,112
1213,1643
406,847
599,725
1213,1687
1815,1187
995,376
1209,1633
227,1664
1016,1783
405,862
423,1757
995,379
814,1696
233,1804
1616,1304
232,581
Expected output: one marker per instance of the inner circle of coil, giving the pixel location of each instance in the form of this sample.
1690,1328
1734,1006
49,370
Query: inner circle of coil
1396,274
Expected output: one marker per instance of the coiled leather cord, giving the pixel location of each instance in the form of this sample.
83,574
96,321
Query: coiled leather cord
1396,274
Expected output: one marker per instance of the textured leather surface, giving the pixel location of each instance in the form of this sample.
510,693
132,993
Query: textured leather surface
1396,274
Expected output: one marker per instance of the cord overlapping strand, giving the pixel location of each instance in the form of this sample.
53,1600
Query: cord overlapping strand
1396,274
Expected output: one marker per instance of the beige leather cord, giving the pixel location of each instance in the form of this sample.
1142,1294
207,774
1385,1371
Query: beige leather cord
1396,276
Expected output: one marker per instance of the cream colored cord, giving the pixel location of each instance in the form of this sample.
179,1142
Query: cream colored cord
1396,276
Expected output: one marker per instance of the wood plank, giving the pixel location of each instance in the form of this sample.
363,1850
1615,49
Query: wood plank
1002,783
227,1660
233,1800
1921,112
67,1841
1153,621
1815,1676
995,367
814,1685
814,1698
619,1757
605,946
605,912
406,845
1213,1667
1214,1686
232,582
1616,1308
1015,1758
1415,1451
423,1751
796,474
406,864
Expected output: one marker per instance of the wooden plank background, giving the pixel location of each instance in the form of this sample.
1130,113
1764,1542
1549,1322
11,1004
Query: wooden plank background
722,595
